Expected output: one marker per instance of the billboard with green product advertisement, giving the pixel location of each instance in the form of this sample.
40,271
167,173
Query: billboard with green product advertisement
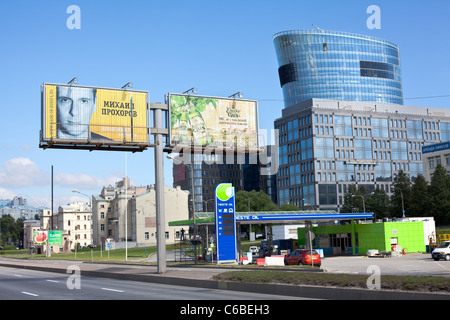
203,121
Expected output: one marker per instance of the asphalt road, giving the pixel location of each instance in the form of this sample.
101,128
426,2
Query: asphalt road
22,284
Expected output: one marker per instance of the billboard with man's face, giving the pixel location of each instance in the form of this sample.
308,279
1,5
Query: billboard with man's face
78,114
210,121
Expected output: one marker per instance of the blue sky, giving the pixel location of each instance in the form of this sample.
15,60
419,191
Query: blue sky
220,47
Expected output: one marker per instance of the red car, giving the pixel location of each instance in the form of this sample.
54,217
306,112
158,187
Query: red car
303,256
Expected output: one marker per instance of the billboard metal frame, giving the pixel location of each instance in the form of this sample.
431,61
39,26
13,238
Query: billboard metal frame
88,144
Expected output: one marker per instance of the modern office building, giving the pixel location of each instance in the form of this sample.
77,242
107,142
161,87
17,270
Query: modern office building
337,66
436,154
326,145
344,121
205,172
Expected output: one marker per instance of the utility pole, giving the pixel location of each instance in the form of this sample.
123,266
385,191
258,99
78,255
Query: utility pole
159,188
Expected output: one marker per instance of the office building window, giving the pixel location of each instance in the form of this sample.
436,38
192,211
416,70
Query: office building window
324,148
380,128
363,149
343,125
383,171
415,129
345,172
327,194
445,131
399,150
308,195
306,149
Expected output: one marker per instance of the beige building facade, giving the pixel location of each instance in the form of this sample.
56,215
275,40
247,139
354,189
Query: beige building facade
29,227
143,219
75,220
128,213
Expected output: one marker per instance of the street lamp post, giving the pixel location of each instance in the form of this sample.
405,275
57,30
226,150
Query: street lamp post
89,197
403,203
364,204
206,202
76,191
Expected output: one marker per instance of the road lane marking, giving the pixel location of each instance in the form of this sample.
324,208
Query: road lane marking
18,275
52,281
115,290
437,262
30,294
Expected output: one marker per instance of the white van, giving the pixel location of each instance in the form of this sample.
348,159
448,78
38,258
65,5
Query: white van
442,251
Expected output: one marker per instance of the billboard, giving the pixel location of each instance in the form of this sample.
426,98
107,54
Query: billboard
92,115
40,237
53,237
202,121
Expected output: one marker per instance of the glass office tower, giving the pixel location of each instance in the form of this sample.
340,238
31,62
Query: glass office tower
327,145
344,122
337,66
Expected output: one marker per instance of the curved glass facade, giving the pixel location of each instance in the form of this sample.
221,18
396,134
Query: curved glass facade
338,66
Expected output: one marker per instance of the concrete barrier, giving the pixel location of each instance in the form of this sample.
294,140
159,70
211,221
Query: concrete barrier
274,261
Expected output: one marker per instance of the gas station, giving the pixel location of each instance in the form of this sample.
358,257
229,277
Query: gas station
308,217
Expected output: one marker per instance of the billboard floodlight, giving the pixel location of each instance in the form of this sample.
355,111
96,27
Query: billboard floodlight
239,94
129,85
73,81
193,89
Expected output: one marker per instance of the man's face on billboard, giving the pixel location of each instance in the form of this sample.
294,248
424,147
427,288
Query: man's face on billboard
75,108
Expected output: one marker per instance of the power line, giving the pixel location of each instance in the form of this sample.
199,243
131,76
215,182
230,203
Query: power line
426,97
429,97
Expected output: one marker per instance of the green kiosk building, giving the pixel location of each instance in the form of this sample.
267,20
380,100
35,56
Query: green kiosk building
411,234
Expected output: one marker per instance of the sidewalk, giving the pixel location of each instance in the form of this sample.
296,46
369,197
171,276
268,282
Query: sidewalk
202,277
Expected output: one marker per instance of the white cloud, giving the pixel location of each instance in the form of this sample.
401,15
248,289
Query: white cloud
83,181
7,194
21,172
18,175
60,200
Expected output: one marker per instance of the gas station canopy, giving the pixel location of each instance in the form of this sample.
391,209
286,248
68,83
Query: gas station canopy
271,217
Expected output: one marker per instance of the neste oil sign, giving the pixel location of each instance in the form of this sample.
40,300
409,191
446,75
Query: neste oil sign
225,223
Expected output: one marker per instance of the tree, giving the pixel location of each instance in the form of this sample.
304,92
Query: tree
420,200
352,199
11,230
258,201
348,199
288,207
358,199
439,191
254,201
378,203
401,196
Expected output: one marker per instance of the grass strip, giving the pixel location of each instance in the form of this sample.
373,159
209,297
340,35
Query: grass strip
388,282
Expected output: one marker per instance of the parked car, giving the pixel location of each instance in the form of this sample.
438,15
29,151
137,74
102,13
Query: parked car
253,249
303,256
442,251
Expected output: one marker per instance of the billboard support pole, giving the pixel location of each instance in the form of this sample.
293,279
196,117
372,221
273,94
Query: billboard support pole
52,197
159,192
